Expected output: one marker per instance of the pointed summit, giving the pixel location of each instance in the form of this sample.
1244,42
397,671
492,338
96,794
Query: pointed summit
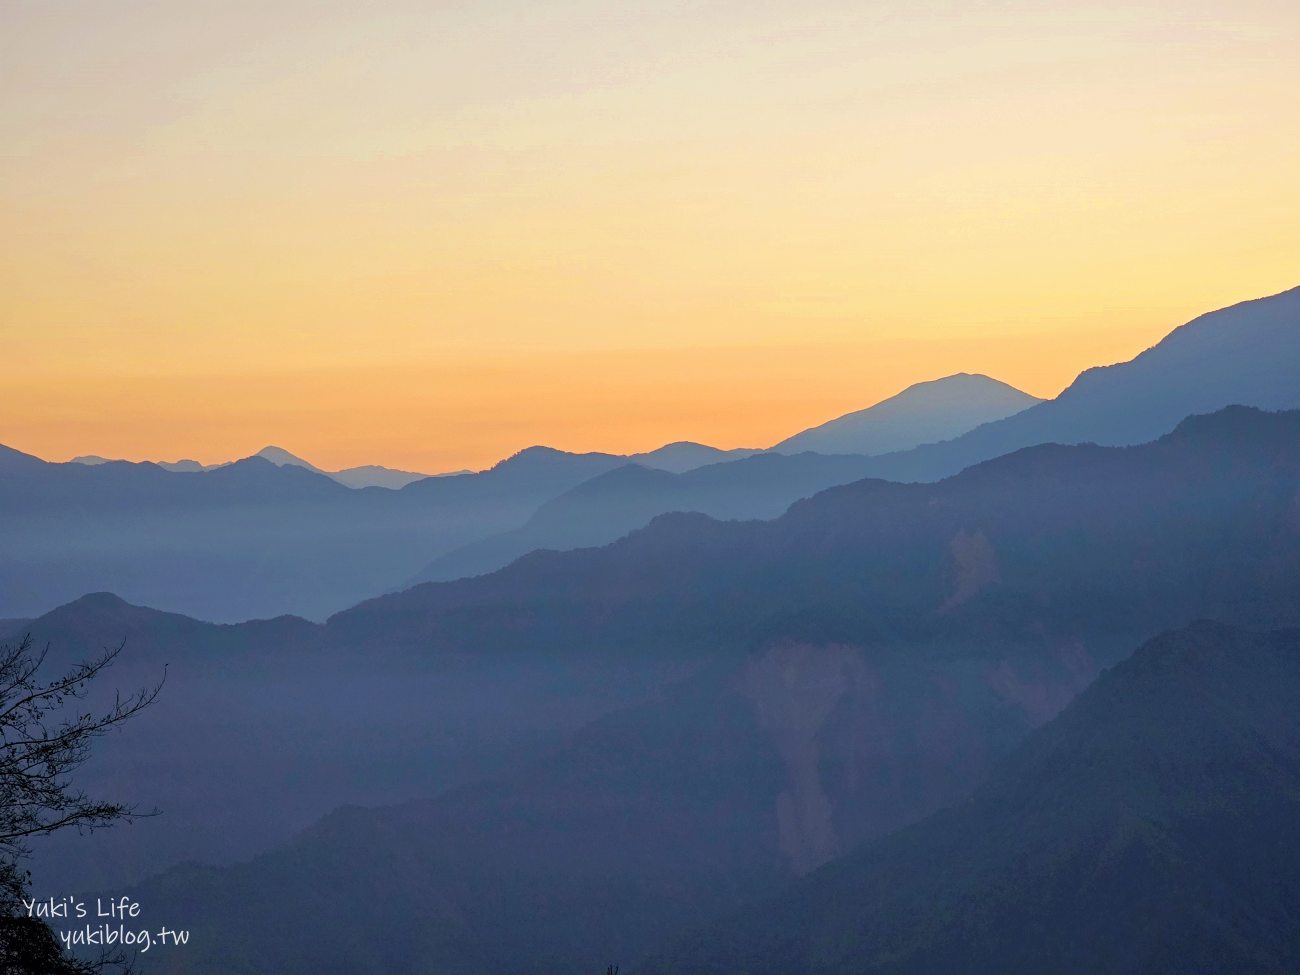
282,458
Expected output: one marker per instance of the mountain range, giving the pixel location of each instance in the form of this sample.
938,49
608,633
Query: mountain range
1244,354
685,720
272,534
678,457
621,500
248,539
807,713
368,475
242,541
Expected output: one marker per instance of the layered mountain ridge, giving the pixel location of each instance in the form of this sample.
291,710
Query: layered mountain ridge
1241,355
767,694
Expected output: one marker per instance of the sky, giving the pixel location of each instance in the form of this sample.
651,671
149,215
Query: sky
430,234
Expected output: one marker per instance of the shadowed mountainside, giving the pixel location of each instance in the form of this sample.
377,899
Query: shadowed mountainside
612,504
1147,829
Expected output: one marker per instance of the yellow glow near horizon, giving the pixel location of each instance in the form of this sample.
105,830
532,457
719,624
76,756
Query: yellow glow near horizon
429,235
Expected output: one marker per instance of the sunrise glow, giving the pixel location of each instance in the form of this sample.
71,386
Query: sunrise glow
429,235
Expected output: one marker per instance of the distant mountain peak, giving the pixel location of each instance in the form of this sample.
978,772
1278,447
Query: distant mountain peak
924,412
684,455
536,450
966,379
544,458
185,464
1242,354
99,601
282,458
526,456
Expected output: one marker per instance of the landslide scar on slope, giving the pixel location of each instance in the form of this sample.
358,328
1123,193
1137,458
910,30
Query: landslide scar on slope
794,688
1067,669
975,565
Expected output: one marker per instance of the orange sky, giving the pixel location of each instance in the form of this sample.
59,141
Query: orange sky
428,237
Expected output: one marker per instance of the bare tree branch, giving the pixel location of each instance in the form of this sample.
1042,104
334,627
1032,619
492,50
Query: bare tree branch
41,745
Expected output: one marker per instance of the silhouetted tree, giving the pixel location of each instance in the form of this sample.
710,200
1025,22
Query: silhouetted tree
44,738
